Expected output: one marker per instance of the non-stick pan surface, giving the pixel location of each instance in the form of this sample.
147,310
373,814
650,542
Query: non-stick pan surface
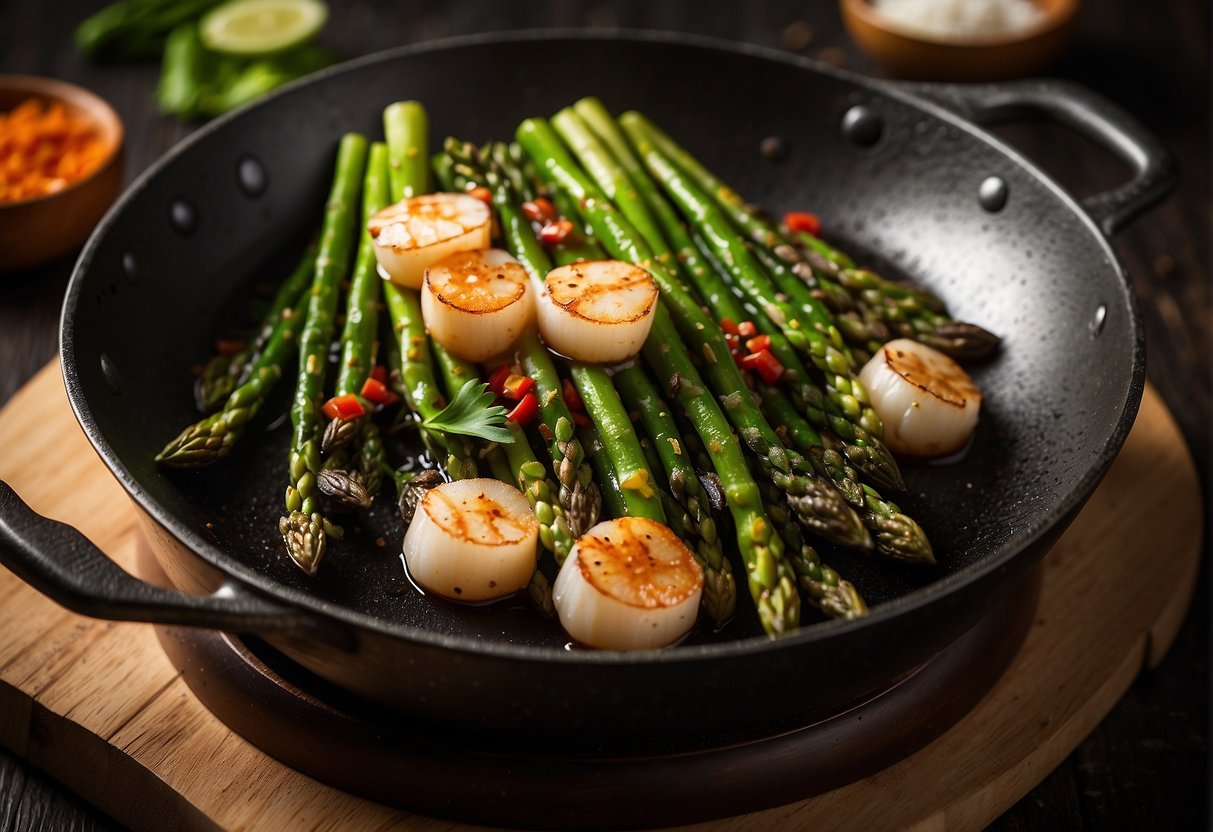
895,179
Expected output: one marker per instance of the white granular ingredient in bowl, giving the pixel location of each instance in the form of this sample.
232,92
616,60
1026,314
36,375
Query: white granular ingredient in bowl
958,19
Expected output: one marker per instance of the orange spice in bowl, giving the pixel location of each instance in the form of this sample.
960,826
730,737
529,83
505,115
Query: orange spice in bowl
60,167
44,148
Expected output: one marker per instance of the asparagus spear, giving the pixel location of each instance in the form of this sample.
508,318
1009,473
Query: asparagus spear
405,125
896,535
531,477
604,407
827,591
687,492
907,312
510,159
818,505
213,437
770,578
807,326
613,503
362,306
223,373
303,528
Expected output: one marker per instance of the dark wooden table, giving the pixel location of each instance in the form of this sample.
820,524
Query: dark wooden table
1145,766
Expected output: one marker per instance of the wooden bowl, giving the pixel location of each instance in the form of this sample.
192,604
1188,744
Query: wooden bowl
33,231
912,54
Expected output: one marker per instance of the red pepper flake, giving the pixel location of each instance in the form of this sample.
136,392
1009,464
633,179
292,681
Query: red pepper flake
556,232
526,410
482,193
758,343
802,221
344,407
571,397
516,386
729,326
374,390
765,364
747,329
734,342
580,418
497,379
540,209
229,346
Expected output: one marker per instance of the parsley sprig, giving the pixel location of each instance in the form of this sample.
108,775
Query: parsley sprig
472,413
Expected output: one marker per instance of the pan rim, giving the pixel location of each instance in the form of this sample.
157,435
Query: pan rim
1027,537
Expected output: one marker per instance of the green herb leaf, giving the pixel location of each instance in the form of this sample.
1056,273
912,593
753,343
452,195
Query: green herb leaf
472,413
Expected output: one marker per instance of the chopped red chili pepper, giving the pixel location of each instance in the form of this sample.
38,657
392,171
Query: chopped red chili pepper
728,326
374,390
540,209
516,386
765,364
734,341
758,343
746,329
343,407
379,373
497,379
580,418
482,193
802,221
555,232
229,346
526,410
571,397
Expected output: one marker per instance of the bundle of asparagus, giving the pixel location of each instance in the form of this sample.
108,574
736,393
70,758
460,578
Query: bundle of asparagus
775,446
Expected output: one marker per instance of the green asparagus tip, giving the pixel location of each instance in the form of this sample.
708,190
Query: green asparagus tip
876,463
822,509
900,538
843,601
305,539
339,432
962,341
779,608
346,487
719,594
199,445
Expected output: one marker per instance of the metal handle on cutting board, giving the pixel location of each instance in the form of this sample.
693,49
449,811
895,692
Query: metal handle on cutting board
67,567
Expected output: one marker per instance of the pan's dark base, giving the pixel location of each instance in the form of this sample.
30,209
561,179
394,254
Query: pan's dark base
319,730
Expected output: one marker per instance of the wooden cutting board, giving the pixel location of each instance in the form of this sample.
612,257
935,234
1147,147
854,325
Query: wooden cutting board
100,707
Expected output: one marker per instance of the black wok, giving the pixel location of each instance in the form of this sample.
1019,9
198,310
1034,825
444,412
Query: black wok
898,173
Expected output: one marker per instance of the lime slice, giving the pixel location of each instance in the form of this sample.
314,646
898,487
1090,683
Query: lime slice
261,27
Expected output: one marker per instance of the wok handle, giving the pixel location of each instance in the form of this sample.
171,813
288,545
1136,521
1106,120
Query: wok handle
1087,113
64,565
